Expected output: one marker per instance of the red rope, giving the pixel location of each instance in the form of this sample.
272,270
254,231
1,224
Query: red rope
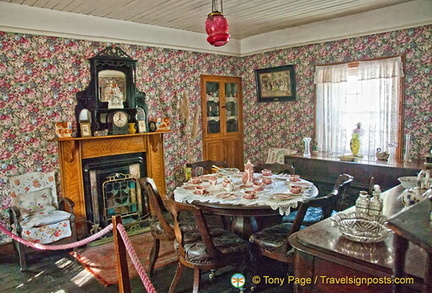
135,260
57,247
134,257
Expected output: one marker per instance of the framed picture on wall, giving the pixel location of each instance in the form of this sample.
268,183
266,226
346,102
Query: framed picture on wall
276,84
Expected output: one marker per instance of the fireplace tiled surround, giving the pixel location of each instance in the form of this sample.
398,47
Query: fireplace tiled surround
99,174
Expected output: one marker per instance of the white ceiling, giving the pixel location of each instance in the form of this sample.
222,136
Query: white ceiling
246,17
255,25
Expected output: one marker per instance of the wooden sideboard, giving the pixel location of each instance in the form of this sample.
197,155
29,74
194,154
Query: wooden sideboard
335,264
72,152
323,171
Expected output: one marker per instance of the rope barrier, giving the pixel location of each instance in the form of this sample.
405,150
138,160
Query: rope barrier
135,260
57,247
131,251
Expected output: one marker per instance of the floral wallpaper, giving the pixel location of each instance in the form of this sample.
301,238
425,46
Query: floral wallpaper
40,75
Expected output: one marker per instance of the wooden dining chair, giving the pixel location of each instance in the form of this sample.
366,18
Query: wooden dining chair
161,222
276,168
273,242
205,248
316,214
208,165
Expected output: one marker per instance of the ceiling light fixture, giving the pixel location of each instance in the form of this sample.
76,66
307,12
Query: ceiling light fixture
217,25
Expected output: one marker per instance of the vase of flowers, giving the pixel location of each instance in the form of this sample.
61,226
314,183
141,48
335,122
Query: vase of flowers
355,139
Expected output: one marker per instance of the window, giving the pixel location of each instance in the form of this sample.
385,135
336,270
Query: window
365,94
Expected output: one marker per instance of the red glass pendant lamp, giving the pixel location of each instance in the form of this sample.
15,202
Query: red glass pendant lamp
217,26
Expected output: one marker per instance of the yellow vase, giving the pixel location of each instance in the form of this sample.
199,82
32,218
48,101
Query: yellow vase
355,144
132,128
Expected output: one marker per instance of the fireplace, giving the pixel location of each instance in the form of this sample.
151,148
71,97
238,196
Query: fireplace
109,159
111,188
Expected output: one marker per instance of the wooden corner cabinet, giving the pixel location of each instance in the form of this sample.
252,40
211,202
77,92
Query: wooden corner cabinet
221,98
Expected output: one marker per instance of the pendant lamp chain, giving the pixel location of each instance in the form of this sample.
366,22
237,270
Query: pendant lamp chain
215,6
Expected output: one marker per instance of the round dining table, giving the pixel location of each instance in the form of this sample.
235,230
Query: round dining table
248,213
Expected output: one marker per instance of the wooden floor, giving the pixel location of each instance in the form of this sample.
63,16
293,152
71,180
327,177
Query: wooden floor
58,272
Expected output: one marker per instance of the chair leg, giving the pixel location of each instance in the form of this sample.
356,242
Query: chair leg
197,279
22,257
176,278
154,255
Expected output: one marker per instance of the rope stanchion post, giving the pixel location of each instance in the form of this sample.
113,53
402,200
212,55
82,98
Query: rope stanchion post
120,249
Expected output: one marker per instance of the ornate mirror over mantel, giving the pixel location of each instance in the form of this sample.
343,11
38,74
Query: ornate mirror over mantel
112,93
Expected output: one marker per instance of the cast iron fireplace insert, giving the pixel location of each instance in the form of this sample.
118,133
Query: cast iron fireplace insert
111,188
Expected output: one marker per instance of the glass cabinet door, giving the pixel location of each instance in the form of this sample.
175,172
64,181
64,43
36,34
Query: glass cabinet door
213,107
231,107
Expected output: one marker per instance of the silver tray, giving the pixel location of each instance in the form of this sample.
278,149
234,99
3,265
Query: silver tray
361,227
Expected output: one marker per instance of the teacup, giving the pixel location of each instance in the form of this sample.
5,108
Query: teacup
294,178
196,180
212,180
296,190
266,172
250,194
226,181
258,186
200,190
267,179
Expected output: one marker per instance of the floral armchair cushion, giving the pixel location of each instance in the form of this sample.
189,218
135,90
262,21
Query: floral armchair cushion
35,196
30,203
46,234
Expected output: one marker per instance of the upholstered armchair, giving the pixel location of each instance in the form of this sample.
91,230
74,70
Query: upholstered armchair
37,215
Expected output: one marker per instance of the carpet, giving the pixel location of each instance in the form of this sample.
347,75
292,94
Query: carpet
101,260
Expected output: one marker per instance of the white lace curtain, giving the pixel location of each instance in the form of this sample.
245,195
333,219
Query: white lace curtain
367,94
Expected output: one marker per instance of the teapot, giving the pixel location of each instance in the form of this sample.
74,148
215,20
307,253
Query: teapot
423,179
382,156
411,196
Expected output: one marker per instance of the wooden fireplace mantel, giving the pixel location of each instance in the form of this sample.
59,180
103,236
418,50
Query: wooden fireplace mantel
72,152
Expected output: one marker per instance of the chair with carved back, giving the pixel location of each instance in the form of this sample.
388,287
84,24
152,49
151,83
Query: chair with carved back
208,165
273,242
205,248
316,214
161,222
276,168
36,213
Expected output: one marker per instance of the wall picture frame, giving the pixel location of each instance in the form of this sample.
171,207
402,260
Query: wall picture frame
276,84
85,128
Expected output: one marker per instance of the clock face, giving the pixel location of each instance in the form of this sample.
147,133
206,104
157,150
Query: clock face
152,126
120,119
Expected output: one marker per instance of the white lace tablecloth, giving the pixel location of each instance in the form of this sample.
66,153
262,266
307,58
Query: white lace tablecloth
186,193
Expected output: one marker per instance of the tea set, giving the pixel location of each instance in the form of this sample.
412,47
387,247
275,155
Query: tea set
422,190
250,184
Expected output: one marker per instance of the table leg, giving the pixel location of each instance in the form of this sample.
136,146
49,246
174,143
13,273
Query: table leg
244,226
401,246
427,286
